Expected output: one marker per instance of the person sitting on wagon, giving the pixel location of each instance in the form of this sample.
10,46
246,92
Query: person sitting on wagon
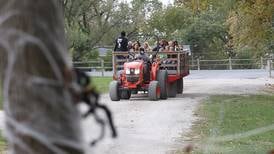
134,50
176,46
170,46
136,47
147,48
161,46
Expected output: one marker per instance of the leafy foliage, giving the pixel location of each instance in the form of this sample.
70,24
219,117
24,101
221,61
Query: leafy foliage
213,28
250,25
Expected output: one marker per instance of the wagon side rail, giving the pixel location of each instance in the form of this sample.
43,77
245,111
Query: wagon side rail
175,62
118,60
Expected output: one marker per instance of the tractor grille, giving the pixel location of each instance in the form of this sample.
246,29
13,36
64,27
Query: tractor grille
132,78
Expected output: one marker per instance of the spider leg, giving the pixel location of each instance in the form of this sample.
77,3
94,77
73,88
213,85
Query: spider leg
110,120
102,125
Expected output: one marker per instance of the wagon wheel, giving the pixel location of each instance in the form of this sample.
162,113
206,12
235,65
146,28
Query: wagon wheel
172,89
180,86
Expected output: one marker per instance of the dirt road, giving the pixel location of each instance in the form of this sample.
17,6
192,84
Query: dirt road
147,127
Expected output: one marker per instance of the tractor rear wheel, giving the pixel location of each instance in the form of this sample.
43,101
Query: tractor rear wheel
125,94
114,92
172,90
154,90
162,77
180,86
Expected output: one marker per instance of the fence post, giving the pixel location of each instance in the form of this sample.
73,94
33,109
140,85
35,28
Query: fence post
230,63
103,67
269,67
198,64
262,63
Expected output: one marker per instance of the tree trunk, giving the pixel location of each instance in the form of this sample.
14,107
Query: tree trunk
40,115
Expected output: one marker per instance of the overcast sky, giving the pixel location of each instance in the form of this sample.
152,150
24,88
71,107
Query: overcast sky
166,1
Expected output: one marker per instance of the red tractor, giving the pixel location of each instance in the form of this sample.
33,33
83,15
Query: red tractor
152,75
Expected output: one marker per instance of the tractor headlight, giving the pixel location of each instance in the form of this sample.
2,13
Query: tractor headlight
137,71
127,71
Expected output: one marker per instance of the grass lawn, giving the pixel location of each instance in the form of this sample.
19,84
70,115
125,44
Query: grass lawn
101,83
235,115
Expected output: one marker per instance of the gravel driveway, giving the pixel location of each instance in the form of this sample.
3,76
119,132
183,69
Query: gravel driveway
147,127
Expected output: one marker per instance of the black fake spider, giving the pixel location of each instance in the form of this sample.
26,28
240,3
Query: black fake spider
91,98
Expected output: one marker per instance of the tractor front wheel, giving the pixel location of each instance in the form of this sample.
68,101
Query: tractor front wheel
114,92
154,91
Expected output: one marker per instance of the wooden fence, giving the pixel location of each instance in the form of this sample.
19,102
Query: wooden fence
198,64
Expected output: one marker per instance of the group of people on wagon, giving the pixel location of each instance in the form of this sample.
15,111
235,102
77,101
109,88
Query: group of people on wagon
141,51
122,44
163,46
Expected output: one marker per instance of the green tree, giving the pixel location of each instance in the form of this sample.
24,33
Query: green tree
170,20
205,32
250,25
92,23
